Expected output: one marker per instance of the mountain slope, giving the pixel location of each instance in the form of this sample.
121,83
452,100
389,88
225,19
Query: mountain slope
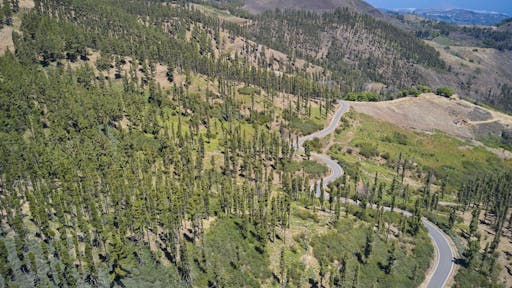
477,57
353,40
356,47
150,144
258,6
118,181
456,16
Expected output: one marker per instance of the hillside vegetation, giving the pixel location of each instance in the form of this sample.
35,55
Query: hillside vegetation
151,144
110,179
258,6
355,47
477,58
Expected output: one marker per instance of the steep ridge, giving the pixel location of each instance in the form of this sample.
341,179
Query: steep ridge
356,47
258,6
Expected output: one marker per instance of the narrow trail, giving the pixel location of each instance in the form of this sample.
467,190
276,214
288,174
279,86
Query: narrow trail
443,268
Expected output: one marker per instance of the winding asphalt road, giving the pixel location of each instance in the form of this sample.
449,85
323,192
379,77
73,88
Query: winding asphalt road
443,268
336,170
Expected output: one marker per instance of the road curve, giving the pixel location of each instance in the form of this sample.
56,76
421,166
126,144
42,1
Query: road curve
444,265
327,130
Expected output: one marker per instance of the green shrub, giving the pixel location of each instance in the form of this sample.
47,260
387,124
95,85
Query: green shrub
310,167
368,150
304,127
305,214
424,89
233,248
397,138
365,96
352,169
314,144
103,62
410,92
445,91
248,90
261,118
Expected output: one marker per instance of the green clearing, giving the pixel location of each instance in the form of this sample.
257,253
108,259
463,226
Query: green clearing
449,158
306,125
248,90
443,41
495,142
309,167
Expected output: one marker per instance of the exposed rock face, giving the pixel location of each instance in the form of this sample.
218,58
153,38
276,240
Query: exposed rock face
483,130
496,129
479,114
506,136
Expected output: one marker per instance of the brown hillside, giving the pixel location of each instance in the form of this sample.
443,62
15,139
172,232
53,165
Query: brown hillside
481,74
431,113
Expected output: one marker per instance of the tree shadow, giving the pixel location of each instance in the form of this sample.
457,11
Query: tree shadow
313,283
359,257
460,261
276,278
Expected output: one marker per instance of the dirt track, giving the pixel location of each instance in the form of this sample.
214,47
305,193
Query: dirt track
6,40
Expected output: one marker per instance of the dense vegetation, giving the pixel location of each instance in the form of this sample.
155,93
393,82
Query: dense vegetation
112,175
109,179
382,155
490,194
420,153
120,191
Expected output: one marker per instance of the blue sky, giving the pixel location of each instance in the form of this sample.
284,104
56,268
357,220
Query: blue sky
504,6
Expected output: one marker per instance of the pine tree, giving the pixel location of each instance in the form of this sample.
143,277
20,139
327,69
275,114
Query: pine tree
368,246
391,258
5,267
322,193
323,270
471,252
92,274
337,212
355,280
307,150
342,271
282,267
118,255
33,264
443,188
393,194
451,220
184,265
473,226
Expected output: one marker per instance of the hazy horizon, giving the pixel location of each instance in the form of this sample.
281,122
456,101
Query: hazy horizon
489,5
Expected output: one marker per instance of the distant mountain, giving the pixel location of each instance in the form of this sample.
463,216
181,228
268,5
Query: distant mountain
456,16
258,6
505,25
